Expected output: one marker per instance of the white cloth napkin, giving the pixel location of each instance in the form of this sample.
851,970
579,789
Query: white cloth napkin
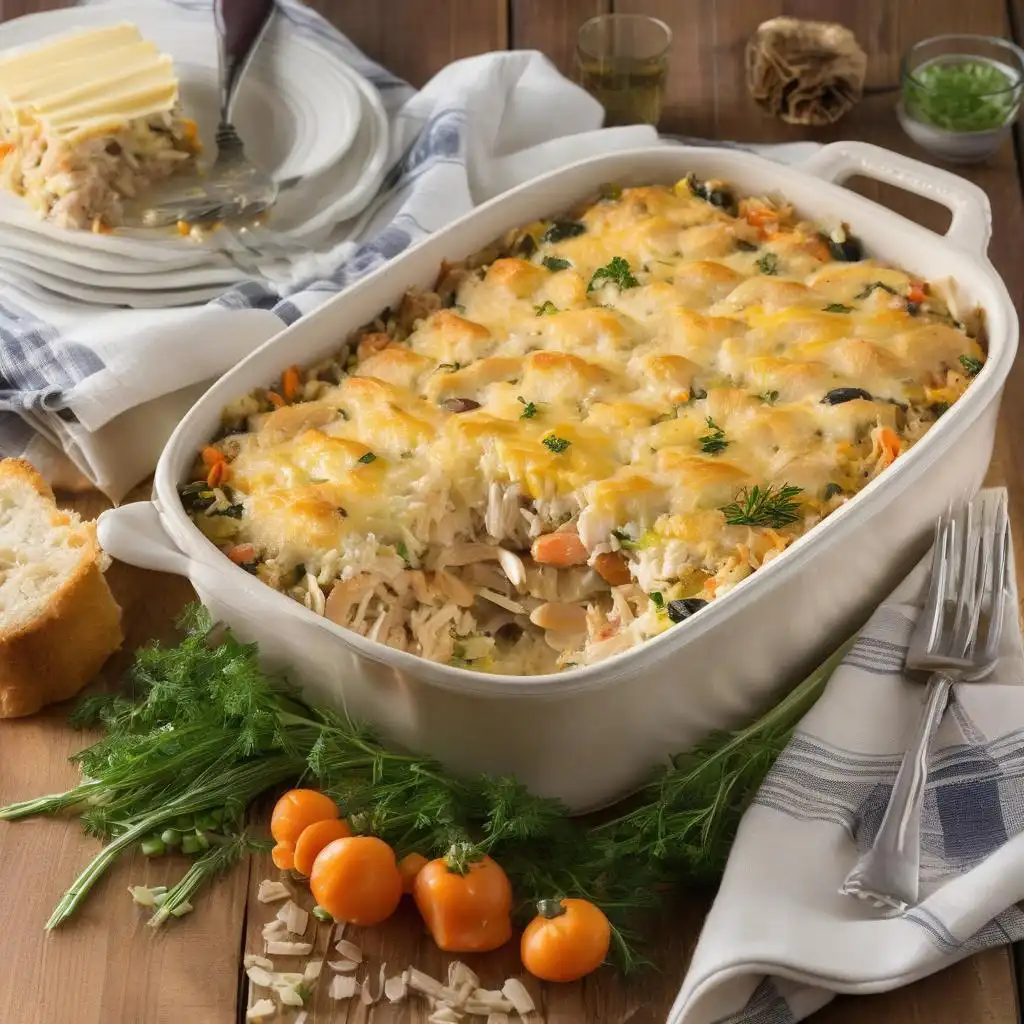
106,387
780,941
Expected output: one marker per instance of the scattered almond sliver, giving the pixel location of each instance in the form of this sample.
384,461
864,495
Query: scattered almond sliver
396,988
343,966
254,960
259,977
281,948
271,892
342,987
261,1010
350,951
289,996
515,992
274,929
460,974
294,918
312,970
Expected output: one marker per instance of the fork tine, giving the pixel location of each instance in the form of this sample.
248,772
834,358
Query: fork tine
967,565
933,608
999,578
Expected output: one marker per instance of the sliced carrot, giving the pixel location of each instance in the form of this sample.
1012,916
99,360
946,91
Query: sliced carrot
559,549
890,442
5,148
211,456
242,553
290,383
217,474
184,228
613,568
916,292
275,399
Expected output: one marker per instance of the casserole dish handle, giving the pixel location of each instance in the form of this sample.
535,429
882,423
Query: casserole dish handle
971,226
133,534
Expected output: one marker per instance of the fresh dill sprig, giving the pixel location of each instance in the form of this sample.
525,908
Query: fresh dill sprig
713,442
972,366
768,264
764,506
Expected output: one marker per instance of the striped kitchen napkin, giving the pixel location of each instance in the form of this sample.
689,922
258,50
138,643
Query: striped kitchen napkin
780,941
107,386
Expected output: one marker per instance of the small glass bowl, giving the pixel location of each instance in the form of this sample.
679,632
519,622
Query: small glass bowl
960,94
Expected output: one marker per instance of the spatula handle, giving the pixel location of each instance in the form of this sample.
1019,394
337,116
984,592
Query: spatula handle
241,25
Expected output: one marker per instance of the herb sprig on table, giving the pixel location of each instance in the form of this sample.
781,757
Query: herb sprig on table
207,731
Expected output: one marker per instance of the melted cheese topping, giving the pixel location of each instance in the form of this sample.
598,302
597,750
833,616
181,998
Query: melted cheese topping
88,83
682,389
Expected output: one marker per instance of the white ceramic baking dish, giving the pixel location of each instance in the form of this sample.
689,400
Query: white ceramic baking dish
593,734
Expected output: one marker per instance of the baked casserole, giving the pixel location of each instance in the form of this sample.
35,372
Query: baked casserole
586,433
88,120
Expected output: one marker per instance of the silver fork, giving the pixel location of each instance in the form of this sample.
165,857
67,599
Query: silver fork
969,582
234,186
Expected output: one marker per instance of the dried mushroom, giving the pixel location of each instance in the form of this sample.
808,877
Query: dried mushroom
805,72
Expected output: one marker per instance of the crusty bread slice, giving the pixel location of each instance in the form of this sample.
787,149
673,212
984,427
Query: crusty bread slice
58,619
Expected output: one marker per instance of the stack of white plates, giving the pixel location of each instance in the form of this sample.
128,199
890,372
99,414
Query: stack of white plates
304,115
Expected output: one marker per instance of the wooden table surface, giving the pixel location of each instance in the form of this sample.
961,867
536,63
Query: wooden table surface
106,966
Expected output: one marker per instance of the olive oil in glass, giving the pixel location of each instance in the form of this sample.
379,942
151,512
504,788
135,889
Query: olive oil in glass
622,61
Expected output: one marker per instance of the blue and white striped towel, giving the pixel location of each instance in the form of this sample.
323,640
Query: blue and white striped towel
106,387
780,941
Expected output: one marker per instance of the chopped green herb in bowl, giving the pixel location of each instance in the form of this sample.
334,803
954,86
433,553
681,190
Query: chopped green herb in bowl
960,94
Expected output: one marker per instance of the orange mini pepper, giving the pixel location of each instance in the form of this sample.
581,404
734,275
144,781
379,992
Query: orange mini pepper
566,940
467,908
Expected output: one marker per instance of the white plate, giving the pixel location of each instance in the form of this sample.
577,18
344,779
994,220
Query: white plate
300,110
50,289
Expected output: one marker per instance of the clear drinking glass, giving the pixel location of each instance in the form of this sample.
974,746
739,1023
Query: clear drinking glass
622,61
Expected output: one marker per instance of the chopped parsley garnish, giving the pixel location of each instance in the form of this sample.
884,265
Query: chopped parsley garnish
562,229
554,444
838,307
939,409
656,599
232,512
403,552
769,397
714,441
696,394
546,309
874,287
768,264
367,458
555,263
831,490
617,272
764,506
445,368
972,367
625,541
913,308
529,408
744,246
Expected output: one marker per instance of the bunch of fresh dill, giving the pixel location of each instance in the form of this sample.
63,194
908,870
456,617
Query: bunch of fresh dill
203,731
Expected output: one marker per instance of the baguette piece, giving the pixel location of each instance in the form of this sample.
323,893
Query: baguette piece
59,621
